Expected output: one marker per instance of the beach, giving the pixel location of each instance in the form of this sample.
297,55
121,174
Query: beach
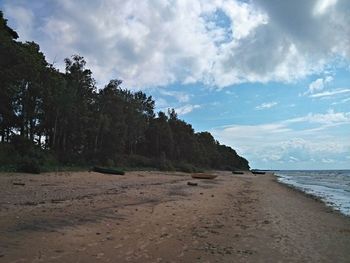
157,217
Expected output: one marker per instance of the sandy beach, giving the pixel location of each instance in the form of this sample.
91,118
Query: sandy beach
158,217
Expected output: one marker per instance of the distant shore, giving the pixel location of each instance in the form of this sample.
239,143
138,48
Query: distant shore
158,217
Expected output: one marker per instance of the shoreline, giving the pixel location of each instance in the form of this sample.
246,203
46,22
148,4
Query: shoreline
157,217
315,197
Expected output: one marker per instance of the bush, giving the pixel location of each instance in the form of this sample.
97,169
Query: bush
8,155
166,166
140,161
29,165
110,163
187,168
120,160
22,155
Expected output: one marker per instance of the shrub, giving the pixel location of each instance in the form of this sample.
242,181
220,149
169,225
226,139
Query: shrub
8,155
187,168
120,160
110,163
166,166
29,165
140,161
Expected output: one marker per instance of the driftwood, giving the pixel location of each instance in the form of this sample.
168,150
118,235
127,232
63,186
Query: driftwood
257,172
203,176
16,183
107,170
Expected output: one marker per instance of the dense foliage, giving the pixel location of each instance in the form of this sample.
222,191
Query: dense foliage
48,117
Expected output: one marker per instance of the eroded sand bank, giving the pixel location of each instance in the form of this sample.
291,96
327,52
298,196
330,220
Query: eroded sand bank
157,217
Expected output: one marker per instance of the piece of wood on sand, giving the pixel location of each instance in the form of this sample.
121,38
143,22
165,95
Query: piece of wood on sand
203,176
107,170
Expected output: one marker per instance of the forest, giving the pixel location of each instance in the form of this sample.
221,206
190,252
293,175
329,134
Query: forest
50,118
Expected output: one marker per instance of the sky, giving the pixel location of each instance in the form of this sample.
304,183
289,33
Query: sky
269,78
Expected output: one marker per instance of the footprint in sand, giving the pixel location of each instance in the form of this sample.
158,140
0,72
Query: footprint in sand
92,244
126,237
118,246
100,255
144,245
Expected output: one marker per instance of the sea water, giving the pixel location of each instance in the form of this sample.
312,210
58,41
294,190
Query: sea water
332,187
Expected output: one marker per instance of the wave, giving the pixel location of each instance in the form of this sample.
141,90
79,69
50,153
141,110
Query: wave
332,187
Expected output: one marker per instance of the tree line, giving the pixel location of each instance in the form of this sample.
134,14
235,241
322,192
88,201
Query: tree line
53,117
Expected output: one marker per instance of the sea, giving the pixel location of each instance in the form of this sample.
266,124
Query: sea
330,186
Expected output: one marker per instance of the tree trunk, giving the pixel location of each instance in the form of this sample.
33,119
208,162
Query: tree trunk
54,130
3,135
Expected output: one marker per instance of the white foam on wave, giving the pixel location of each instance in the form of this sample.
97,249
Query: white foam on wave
332,187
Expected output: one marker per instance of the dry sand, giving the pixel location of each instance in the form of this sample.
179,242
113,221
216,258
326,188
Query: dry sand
157,217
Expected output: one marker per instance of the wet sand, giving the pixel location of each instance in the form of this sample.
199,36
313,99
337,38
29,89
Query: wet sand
157,217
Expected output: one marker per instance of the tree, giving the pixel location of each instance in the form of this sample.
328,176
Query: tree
9,54
43,110
110,138
159,137
80,98
139,113
184,139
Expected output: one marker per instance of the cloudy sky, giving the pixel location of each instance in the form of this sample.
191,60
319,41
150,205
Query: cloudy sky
270,78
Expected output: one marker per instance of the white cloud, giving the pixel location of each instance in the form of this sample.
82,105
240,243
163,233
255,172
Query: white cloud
317,87
280,142
186,109
293,159
266,105
318,84
329,118
161,103
255,131
245,18
326,160
341,102
328,79
322,6
156,43
330,93
178,95
24,21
